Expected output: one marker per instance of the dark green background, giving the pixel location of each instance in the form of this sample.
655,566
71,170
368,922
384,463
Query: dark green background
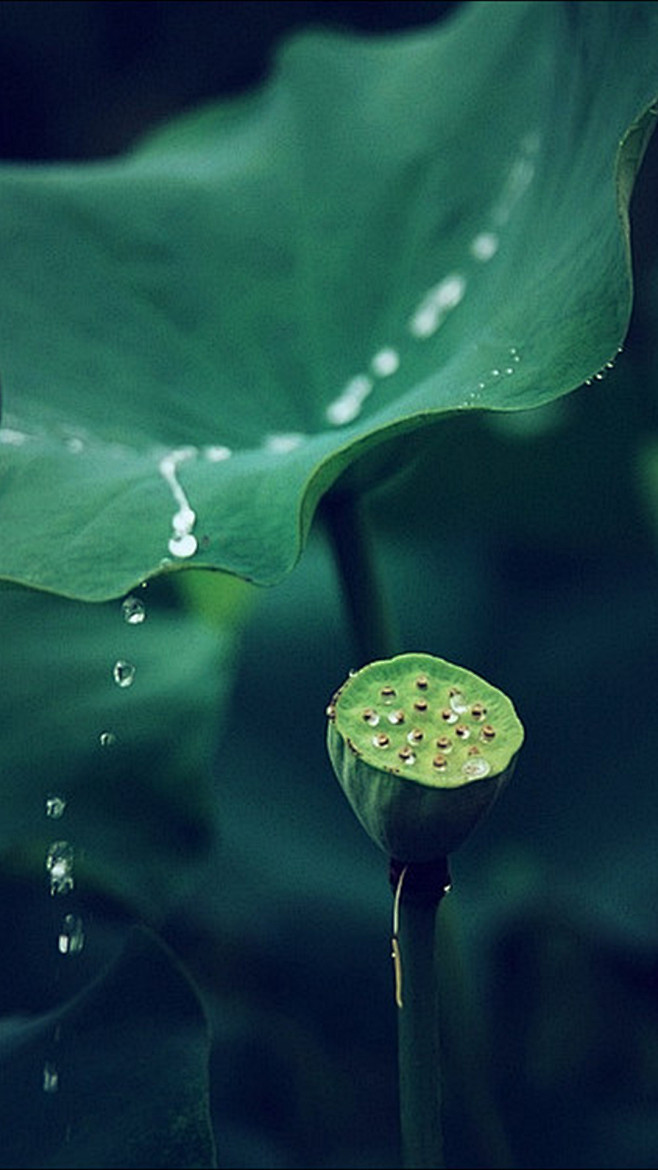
538,571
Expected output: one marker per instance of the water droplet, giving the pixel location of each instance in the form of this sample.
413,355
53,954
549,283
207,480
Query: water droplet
450,292
385,363
509,370
71,936
134,610
12,438
484,246
50,1078
458,702
217,454
426,320
476,767
74,445
283,444
371,716
436,304
123,673
495,373
59,864
347,406
182,543
55,806
183,546
107,738
514,354
482,385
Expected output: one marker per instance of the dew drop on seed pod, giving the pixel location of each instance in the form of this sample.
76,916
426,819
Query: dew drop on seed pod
133,610
123,673
71,938
396,717
107,738
50,1082
59,864
458,702
55,806
476,767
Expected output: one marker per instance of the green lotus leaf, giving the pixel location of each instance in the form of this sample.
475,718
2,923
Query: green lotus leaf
198,338
421,748
118,1076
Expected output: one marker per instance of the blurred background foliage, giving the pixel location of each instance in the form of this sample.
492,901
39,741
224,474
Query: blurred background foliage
523,548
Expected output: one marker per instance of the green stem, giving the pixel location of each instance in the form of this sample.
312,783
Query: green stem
373,627
417,993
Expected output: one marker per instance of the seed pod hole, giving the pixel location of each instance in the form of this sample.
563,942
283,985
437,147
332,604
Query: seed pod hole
488,732
440,763
381,740
370,716
406,755
415,735
444,744
462,731
396,717
388,694
449,716
478,711
420,704
422,682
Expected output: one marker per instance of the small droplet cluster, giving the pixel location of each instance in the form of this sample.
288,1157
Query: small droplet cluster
426,726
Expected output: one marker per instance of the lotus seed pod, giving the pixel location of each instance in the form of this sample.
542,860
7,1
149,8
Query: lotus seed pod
430,771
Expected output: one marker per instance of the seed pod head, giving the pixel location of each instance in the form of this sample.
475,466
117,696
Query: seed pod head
419,765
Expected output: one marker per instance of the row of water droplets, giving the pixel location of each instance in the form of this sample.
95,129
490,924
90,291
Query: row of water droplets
60,854
431,312
436,305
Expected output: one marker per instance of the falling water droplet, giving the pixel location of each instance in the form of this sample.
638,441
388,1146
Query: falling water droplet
133,610
123,673
59,864
71,936
50,1078
107,738
55,806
